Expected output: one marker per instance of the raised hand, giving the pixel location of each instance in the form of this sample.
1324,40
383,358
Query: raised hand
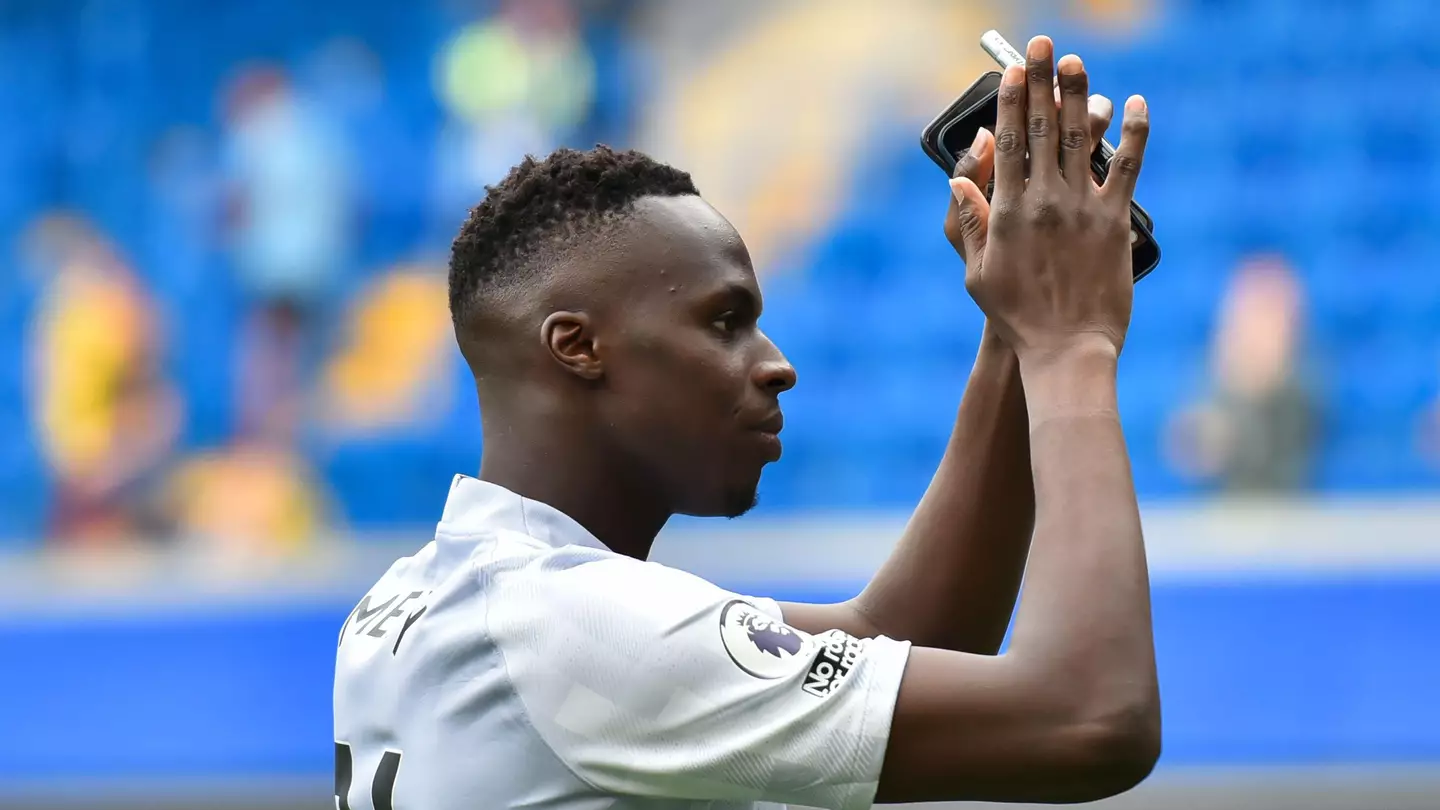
1048,260
978,164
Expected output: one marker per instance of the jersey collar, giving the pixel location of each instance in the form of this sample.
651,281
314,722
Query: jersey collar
475,506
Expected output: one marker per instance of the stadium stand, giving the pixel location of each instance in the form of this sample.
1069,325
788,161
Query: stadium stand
1316,160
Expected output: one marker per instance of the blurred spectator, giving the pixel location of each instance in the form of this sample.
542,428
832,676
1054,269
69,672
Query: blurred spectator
513,84
291,232
107,416
391,369
1255,433
255,498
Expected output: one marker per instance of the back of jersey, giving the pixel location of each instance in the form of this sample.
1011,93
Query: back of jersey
425,716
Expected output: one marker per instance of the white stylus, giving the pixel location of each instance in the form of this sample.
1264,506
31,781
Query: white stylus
1000,50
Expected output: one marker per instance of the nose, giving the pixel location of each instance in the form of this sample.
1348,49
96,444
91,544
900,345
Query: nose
775,375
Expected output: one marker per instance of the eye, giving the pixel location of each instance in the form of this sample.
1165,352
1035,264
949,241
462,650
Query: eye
727,324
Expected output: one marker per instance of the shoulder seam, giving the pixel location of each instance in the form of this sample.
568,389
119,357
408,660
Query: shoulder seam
519,698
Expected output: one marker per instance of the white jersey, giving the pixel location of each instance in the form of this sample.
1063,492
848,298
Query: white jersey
514,662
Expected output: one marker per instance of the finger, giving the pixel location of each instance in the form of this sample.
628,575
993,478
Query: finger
1101,112
1041,123
978,162
1125,166
1074,123
972,216
1010,135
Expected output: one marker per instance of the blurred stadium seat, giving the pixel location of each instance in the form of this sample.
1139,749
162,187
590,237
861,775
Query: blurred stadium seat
1270,142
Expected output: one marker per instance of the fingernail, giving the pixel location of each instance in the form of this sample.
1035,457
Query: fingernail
1039,48
1135,104
1013,75
975,144
1070,65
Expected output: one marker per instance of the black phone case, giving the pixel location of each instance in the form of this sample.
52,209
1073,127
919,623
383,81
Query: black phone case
976,100
963,107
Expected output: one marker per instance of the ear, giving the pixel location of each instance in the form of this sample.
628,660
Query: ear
570,338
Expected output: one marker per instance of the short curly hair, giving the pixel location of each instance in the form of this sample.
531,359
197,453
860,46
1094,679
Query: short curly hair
543,207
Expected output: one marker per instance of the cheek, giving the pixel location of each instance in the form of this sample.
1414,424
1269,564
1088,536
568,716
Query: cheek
714,381
690,363
685,394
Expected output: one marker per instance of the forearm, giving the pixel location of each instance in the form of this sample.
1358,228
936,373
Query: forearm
952,579
1084,618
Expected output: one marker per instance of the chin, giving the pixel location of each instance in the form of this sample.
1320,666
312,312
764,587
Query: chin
729,504
741,501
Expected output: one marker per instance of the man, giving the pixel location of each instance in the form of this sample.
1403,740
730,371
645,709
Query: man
529,657
106,415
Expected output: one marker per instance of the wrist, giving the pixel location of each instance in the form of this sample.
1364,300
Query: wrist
993,351
1085,348
990,339
1075,378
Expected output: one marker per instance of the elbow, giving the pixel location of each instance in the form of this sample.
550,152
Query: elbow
1129,756
1120,751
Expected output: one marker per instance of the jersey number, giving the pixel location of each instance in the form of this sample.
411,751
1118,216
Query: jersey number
382,788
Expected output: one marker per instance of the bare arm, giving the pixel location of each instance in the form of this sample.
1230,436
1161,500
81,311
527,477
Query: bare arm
952,580
1071,711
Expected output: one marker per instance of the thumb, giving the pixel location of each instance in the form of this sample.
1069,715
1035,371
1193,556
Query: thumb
975,167
978,162
971,219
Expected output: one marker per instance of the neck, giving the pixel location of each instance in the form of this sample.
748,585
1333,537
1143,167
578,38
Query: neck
569,474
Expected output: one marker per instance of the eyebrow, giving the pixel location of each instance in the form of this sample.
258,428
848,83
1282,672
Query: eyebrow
742,294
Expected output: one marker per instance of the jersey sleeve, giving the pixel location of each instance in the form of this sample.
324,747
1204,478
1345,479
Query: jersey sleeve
648,681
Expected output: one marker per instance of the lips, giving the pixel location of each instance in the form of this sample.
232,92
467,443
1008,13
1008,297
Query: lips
768,430
770,445
772,424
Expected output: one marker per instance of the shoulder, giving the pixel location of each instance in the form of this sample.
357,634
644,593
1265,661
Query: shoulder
521,572
600,582
584,612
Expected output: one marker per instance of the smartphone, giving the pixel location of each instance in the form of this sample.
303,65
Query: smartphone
950,134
